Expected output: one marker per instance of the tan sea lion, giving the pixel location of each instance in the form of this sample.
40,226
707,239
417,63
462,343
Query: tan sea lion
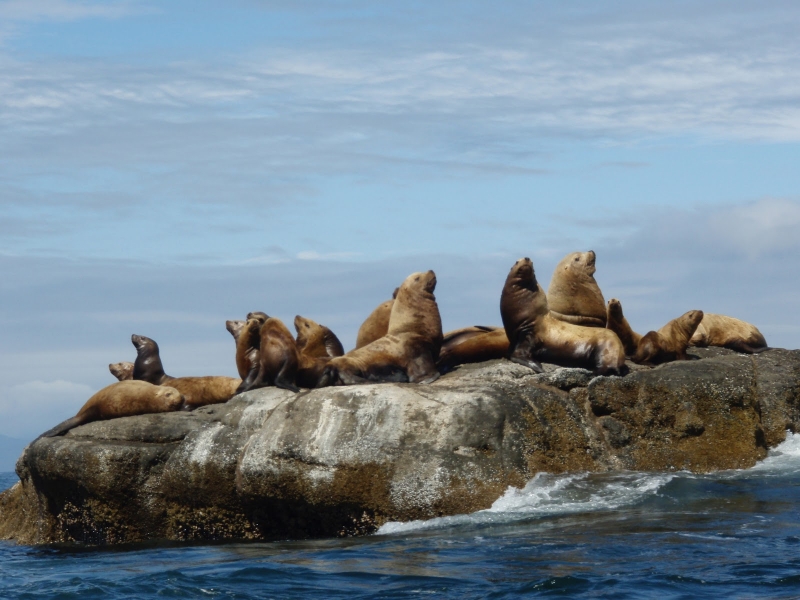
123,371
316,340
200,391
277,359
728,332
407,352
316,345
235,329
376,324
122,399
616,322
248,341
147,366
471,345
670,342
573,295
535,335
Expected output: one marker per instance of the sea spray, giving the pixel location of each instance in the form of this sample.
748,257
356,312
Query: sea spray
548,494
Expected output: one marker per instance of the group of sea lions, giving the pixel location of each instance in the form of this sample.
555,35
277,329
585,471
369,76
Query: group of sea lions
402,341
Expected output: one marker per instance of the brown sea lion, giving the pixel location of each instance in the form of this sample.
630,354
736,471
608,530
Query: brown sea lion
728,332
316,340
410,348
535,335
257,314
573,295
616,322
147,366
199,391
235,329
248,342
123,371
316,345
670,342
122,399
471,345
376,324
277,359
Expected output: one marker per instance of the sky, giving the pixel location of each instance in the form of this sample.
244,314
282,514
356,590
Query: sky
167,166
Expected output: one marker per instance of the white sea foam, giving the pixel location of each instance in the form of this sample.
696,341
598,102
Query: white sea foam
783,459
550,495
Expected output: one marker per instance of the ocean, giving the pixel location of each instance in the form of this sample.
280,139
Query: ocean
731,534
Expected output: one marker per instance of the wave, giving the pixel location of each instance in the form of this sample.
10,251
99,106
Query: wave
551,495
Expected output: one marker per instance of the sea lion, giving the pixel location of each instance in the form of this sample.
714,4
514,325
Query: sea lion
410,348
471,345
257,314
123,371
316,340
147,366
122,399
235,329
670,342
248,342
316,345
573,295
200,391
376,324
728,332
535,335
616,322
277,359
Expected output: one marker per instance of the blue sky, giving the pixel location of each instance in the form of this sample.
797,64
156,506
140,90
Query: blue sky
167,166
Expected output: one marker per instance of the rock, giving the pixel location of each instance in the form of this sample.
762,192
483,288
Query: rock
270,464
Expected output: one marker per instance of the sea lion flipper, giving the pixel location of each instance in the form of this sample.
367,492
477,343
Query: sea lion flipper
283,381
531,364
63,427
249,381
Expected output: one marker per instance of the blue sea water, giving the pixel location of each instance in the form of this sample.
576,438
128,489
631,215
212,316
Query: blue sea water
732,534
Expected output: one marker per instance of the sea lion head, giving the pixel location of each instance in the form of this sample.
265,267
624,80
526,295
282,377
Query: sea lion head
522,274
615,309
579,263
418,283
144,344
307,331
172,398
257,314
317,340
123,371
692,319
235,328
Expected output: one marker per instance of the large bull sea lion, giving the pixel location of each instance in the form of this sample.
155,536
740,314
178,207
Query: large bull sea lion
535,335
122,399
573,295
670,342
410,348
728,332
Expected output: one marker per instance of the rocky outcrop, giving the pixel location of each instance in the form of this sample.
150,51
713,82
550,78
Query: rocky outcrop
337,461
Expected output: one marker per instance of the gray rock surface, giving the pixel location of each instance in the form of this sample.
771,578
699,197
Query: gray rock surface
270,464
